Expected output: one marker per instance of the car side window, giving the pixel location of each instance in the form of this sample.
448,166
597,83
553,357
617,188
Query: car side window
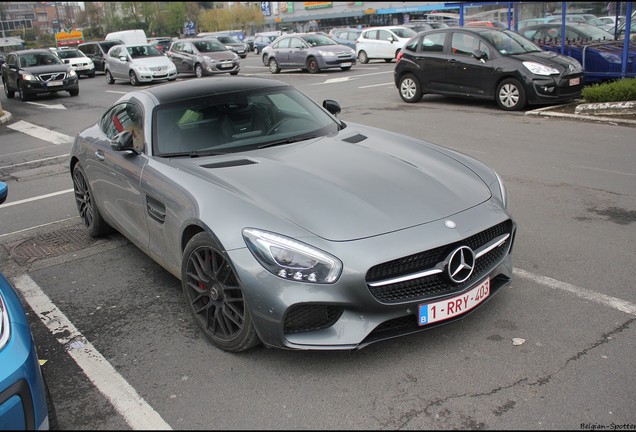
125,117
384,35
433,42
296,43
464,44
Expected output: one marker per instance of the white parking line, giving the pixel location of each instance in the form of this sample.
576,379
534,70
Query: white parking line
38,226
613,302
377,85
52,194
124,398
41,133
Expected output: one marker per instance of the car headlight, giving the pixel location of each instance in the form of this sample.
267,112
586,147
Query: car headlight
5,325
499,190
540,69
29,77
325,53
72,73
291,259
141,68
209,59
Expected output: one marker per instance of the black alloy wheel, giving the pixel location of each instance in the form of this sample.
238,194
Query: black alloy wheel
215,297
133,78
86,206
24,96
109,77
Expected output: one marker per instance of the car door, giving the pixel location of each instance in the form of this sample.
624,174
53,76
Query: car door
116,174
10,72
468,75
115,65
280,51
385,45
175,53
432,62
297,53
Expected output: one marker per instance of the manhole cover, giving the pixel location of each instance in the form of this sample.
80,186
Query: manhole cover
51,244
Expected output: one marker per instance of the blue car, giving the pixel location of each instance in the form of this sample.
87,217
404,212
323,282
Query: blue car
25,402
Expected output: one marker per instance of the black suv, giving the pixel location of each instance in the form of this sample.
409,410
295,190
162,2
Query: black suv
34,71
97,51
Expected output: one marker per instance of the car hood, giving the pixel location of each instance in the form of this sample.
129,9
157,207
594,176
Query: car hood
162,61
349,186
56,68
79,60
550,58
219,55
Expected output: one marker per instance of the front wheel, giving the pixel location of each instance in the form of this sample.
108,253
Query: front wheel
8,93
73,92
86,205
363,57
133,78
510,94
215,296
109,78
24,96
312,65
198,70
273,66
410,89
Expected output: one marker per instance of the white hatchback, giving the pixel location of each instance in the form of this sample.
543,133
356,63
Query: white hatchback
138,64
382,42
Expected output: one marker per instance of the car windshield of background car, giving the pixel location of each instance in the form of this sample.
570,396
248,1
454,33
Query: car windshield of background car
318,40
591,32
404,32
143,51
510,43
70,53
238,121
228,39
209,45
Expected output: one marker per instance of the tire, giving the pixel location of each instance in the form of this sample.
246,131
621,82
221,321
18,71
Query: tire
23,95
264,58
312,65
91,75
510,95
345,68
273,66
132,76
255,50
109,77
8,93
388,60
363,57
214,295
410,89
198,70
234,73
73,92
86,205
50,407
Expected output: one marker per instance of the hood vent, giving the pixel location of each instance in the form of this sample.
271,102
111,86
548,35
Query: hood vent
228,164
354,139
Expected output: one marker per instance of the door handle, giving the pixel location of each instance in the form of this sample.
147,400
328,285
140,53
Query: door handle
99,155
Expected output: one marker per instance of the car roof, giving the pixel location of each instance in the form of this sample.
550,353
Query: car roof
181,90
33,50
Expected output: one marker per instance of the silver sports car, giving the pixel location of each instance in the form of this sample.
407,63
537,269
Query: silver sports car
286,225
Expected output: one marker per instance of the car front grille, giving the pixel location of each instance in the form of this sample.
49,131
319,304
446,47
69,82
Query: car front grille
309,317
438,284
158,68
53,76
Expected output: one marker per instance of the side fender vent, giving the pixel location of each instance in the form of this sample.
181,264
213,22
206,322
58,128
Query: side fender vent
355,138
228,164
156,210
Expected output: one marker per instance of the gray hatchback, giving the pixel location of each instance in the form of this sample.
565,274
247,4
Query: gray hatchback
203,57
309,51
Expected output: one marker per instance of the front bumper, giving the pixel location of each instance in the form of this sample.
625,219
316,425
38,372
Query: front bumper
347,314
37,87
547,90
222,67
150,76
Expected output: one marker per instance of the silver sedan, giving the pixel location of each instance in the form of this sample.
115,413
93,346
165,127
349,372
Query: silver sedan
287,226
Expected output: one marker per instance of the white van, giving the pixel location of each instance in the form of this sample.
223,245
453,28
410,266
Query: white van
129,37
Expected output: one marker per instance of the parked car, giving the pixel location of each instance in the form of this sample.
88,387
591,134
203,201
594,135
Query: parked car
249,41
81,64
536,21
203,56
277,241
138,64
233,44
261,41
162,44
611,22
2,59
600,55
346,37
309,51
488,63
37,71
97,51
25,400
382,42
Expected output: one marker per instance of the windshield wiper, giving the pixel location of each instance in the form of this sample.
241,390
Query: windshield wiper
288,140
192,154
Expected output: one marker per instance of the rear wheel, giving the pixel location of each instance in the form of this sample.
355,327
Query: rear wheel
109,78
511,96
410,89
86,205
363,57
312,65
273,66
8,93
215,296
198,70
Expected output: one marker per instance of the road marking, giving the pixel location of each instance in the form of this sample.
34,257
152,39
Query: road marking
38,226
124,398
36,198
613,302
377,85
35,161
114,91
57,106
41,133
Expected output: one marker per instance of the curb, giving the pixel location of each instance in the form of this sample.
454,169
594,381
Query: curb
599,117
6,117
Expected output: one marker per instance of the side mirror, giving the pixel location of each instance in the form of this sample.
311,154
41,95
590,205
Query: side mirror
67,61
4,191
123,141
480,55
332,106
390,39
123,58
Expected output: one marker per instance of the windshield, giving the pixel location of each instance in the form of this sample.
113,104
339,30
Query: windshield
227,39
510,43
403,32
238,121
318,40
39,59
70,53
143,51
209,45
591,32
